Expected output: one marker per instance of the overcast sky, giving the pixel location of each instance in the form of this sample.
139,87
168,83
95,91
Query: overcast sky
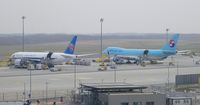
82,16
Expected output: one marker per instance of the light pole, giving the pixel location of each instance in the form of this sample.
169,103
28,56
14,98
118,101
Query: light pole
75,72
177,68
24,91
46,93
101,20
30,92
168,78
23,17
167,30
115,77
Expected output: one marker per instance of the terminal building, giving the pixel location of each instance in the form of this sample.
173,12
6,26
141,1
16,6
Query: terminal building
118,94
179,101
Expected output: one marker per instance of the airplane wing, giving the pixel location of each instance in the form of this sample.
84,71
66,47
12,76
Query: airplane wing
77,56
86,55
186,53
68,55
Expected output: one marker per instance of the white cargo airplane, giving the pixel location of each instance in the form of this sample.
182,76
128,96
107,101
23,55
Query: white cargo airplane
55,57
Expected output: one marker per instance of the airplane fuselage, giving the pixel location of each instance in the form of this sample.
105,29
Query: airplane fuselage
57,58
147,54
53,57
150,54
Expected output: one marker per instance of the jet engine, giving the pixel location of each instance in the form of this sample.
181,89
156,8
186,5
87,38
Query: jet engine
49,55
142,58
146,53
48,60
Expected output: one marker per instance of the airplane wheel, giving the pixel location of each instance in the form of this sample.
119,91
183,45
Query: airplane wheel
143,64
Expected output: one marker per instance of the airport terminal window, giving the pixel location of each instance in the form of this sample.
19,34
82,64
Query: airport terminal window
137,103
124,103
177,101
150,103
186,101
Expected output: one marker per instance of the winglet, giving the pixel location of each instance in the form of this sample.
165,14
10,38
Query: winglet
71,46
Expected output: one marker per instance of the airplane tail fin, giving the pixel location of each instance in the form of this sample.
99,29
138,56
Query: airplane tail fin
71,46
171,45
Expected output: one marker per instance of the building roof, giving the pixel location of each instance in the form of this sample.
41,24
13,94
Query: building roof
179,98
126,94
180,94
111,87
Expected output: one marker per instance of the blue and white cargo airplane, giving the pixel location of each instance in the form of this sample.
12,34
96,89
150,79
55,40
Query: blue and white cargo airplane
146,54
55,57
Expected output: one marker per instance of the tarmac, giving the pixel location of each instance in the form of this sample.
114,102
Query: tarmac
13,80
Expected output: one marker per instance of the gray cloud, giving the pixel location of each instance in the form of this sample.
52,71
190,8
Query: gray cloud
82,16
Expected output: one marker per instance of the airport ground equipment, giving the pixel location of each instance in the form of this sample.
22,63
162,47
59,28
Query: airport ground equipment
4,62
102,67
104,58
79,61
197,62
21,63
113,66
54,69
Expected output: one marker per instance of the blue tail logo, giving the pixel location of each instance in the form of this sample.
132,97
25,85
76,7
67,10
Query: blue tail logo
71,46
171,45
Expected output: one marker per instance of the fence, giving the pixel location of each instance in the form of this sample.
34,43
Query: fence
50,96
